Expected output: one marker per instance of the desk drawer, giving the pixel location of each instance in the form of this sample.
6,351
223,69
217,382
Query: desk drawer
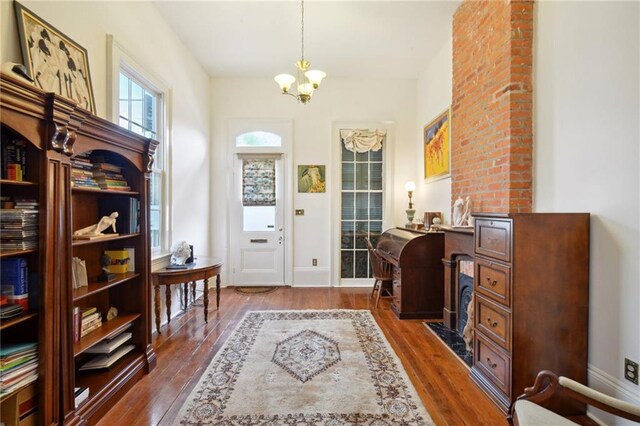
494,321
493,280
492,362
493,238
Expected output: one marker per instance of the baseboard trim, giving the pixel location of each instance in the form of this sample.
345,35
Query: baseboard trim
612,386
311,276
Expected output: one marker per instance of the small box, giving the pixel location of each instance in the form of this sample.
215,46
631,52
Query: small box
119,261
22,300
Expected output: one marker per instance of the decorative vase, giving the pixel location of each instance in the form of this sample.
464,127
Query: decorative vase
410,214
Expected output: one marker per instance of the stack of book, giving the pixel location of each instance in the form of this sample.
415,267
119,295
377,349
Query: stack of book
14,159
82,172
80,395
108,352
14,274
25,203
85,320
18,229
109,176
18,366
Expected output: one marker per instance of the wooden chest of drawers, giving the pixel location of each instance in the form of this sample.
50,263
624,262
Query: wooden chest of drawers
531,289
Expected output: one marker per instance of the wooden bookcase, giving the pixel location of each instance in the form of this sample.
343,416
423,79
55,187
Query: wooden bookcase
57,130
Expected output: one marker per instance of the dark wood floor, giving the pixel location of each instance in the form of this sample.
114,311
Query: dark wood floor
187,345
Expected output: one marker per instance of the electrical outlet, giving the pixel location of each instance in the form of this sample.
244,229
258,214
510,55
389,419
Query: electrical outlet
314,262
631,371
299,212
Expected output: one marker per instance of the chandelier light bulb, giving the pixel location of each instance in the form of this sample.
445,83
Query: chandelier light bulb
285,81
315,77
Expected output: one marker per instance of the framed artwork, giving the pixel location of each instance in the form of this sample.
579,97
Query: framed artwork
311,179
55,62
437,146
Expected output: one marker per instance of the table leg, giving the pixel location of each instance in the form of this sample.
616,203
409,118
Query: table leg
218,292
168,301
156,288
193,292
206,298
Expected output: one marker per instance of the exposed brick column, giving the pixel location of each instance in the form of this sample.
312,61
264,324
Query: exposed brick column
491,124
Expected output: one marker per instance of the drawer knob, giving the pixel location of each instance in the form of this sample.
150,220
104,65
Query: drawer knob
493,365
493,324
491,282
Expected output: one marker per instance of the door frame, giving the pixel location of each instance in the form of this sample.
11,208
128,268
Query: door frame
238,126
336,175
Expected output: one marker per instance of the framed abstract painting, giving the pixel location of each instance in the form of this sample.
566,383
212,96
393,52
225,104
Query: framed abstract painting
437,147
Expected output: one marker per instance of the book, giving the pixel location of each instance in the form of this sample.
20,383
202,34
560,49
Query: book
76,323
80,395
132,258
106,361
14,272
107,346
88,311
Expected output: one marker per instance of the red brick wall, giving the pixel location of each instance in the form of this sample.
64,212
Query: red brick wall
491,123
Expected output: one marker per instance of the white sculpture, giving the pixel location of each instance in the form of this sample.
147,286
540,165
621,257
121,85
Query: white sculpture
96,230
462,212
180,252
458,207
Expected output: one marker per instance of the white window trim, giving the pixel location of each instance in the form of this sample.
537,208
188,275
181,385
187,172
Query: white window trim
119,58
387,187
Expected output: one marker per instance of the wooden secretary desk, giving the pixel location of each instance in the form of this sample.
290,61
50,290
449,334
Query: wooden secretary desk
418,272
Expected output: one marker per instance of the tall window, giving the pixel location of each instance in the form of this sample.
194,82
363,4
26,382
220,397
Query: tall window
362,207
140,109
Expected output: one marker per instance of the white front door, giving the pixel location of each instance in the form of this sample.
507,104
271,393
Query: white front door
257,220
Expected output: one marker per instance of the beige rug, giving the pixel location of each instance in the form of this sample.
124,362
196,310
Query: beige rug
328,368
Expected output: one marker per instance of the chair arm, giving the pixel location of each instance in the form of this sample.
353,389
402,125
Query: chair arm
599,400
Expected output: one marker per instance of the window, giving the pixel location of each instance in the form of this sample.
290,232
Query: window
362,209
140,109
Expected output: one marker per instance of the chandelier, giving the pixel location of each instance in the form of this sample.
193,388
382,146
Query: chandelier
308,80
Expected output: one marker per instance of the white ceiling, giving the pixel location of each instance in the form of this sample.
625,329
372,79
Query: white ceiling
348,39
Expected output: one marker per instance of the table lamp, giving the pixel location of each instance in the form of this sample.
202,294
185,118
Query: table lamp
410,187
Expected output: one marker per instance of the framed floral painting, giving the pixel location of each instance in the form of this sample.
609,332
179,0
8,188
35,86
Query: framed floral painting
437,147
55,62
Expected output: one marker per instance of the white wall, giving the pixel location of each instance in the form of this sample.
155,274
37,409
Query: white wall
434,96
337,100
162,54
587,157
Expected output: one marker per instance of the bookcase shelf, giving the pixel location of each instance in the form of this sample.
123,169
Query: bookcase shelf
17,253
8,396
17,182
77,243
108,329
10,322
96,287
104,191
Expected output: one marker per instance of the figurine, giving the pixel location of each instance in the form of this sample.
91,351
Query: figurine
458,207
96,230
466,216
105,275
180,252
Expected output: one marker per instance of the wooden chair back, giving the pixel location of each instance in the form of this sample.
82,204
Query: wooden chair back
382,270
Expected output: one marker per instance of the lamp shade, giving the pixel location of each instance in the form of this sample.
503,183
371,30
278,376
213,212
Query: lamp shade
315,77
284,81
305,89
410,186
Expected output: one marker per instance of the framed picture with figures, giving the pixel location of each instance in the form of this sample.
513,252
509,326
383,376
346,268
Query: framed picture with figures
55,62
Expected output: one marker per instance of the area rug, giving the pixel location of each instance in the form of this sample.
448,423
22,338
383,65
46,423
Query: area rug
255,290
330,367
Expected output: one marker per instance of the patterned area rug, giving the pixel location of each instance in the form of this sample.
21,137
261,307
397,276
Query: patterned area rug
305,368
255,290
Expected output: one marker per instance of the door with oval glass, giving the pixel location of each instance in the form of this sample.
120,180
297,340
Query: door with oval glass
257,236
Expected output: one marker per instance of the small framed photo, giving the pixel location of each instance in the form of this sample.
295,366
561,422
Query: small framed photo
55,62
311,179
437,147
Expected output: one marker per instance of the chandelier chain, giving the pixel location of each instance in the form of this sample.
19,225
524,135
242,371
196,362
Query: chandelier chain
302,32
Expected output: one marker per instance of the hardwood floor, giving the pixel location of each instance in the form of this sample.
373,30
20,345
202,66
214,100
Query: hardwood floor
187,346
